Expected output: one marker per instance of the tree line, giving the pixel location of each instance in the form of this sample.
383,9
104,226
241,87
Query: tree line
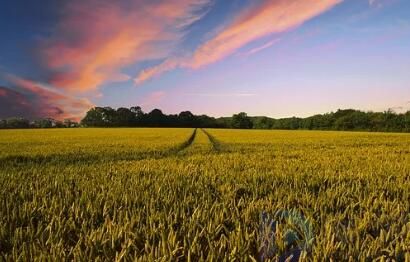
19,122
348,119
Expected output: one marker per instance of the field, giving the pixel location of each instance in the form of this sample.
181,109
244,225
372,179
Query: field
196,195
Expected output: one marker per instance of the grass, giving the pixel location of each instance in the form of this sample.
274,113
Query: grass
192,195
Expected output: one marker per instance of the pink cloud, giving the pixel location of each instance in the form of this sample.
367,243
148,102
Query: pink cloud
263,19
167,65
40,100
96,39
268,18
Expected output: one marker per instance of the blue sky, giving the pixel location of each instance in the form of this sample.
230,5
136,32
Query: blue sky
265,57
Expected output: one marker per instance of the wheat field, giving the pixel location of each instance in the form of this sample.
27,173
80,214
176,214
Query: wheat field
203,195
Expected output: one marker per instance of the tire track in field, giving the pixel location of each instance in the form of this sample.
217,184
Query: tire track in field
216,145
184,145
200,146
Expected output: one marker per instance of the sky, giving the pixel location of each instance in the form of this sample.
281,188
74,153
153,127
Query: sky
277,58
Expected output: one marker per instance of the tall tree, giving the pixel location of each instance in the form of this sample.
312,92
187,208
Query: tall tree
186,119
124,117
95,117
241,121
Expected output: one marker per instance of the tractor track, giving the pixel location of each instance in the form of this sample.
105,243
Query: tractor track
184,145
216,145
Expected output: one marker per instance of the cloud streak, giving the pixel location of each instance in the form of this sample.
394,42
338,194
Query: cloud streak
34,100
96,39
262,47
261,20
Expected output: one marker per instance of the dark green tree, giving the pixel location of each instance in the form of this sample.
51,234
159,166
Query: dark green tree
44,123
262,123
241,121
124,117
17,122
186,119
95,117
156,118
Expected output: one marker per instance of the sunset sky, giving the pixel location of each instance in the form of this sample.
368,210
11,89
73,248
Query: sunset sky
277,58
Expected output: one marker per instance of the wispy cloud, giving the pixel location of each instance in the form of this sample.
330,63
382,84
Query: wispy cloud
263,19
262,47
30,99
96,39
167,65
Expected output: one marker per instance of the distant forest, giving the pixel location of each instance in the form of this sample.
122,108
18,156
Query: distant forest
348,119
